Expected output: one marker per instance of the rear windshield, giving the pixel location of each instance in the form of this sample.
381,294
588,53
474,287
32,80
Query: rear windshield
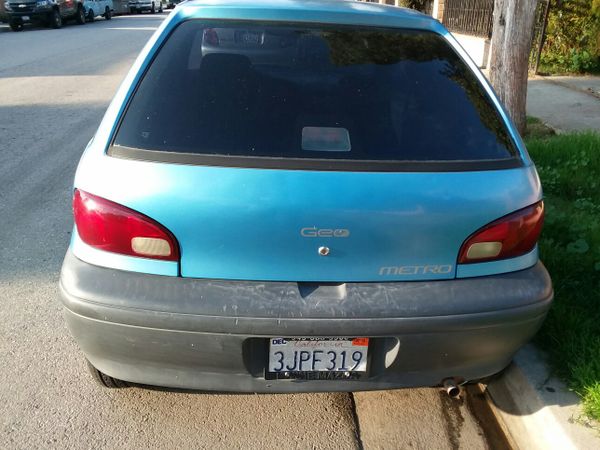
312,93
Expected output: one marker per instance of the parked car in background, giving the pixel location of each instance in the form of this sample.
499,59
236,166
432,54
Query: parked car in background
173,3
304,196
3,15
121,6
95,8
52,13
153,6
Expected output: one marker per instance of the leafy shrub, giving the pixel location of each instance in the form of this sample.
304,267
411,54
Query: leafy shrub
572,37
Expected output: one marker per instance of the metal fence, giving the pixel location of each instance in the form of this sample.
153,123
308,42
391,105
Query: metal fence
474,17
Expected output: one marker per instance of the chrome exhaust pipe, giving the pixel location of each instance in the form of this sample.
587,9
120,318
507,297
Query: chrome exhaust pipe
451,388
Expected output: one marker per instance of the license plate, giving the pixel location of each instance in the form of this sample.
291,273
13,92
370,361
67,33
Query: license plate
318,355
25,18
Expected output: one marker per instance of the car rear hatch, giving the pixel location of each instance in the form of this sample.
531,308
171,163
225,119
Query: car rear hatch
349,154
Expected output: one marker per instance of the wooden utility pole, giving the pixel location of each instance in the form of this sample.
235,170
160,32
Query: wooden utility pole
511,43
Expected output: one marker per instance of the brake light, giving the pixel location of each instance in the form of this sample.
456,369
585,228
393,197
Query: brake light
211,37
508,237
114,228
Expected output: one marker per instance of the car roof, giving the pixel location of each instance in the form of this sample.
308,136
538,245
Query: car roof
316,11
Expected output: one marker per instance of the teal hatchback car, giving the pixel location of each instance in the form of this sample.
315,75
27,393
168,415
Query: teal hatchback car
292,196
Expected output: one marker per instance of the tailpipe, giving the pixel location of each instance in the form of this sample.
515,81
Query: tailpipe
451,388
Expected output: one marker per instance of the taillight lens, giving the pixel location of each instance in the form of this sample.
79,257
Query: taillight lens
508,237
114,228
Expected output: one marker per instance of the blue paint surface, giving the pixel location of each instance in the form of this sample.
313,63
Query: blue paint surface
235,223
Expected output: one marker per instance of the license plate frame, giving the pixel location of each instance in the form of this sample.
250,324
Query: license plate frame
283,359
25,18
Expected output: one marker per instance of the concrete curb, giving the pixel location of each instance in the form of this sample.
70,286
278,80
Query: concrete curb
537,410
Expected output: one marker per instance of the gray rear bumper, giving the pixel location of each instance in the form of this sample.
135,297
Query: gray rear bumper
211,334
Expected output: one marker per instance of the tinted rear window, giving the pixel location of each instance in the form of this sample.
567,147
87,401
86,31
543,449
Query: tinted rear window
306,92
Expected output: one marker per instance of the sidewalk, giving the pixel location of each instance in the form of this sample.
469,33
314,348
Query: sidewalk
565,103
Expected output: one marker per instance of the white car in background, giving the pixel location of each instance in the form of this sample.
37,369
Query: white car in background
153,6
94,8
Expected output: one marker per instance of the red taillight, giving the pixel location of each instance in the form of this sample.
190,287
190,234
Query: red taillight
114,228
508,237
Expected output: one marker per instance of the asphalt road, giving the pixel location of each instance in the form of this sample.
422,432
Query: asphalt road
54,88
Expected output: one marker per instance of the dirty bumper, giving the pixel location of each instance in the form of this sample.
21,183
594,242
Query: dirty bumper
215,334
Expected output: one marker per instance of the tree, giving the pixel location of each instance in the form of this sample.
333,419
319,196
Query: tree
511,43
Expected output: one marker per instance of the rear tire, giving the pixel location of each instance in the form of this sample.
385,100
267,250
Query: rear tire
16,26
104,380
107,13
80,17
55,19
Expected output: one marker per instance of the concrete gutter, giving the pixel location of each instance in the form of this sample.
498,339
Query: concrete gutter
566,104
537,410
589,85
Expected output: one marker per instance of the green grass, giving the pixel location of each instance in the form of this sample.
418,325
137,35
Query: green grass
569,167
537,129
